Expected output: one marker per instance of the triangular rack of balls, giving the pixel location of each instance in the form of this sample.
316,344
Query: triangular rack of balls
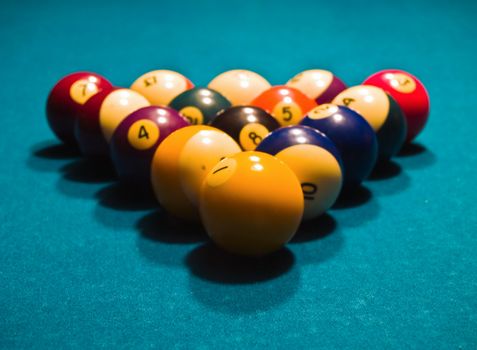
249,159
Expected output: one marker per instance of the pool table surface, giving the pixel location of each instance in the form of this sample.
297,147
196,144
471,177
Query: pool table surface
86,264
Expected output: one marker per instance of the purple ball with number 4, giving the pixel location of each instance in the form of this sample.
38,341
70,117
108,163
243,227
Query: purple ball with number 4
136,139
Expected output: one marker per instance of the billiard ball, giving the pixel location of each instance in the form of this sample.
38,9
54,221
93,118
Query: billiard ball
288,105
199,105
251,204
247,125
352,135
314,159
180,164
66,99
161,86
318,84
135,140
409,93
100,116
239,86
381,112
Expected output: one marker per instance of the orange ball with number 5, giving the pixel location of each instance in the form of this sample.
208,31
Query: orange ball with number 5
286,104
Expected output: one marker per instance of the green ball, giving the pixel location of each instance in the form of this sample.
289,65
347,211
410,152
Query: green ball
199,105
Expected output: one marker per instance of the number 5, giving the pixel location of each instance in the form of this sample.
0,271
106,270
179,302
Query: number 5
286,111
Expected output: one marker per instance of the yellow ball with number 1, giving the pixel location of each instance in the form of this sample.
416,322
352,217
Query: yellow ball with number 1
251,204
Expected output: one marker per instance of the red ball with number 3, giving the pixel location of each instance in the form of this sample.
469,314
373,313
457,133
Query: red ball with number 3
409,93
287,105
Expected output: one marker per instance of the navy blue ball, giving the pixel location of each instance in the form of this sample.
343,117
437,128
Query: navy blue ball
353,137
287,136
315,161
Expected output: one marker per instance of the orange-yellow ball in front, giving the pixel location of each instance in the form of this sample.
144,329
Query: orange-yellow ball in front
251,204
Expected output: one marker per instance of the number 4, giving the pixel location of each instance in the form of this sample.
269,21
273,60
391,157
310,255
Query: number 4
143,133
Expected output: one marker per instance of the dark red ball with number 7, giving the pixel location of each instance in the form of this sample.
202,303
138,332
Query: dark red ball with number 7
409,93
286,104
247,125
68,97
135,140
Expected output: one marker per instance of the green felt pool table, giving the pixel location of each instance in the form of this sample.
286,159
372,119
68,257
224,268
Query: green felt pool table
85,264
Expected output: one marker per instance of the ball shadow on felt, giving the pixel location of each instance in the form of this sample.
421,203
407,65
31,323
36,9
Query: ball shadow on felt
416,156
119,196
412,149
355,208
385,169
388,178
50,156
353,197
161,227
317,241
120,206
55,150
81,178
315,229
165,240
214,264
89,170
241,285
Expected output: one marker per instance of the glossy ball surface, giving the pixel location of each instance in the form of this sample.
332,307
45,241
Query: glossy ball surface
251,204
315,161
68,97
199,105
136,139
161,86
181,163
409,93
287,105
100,117
247,125
352,135
381,112
239,86
318,84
